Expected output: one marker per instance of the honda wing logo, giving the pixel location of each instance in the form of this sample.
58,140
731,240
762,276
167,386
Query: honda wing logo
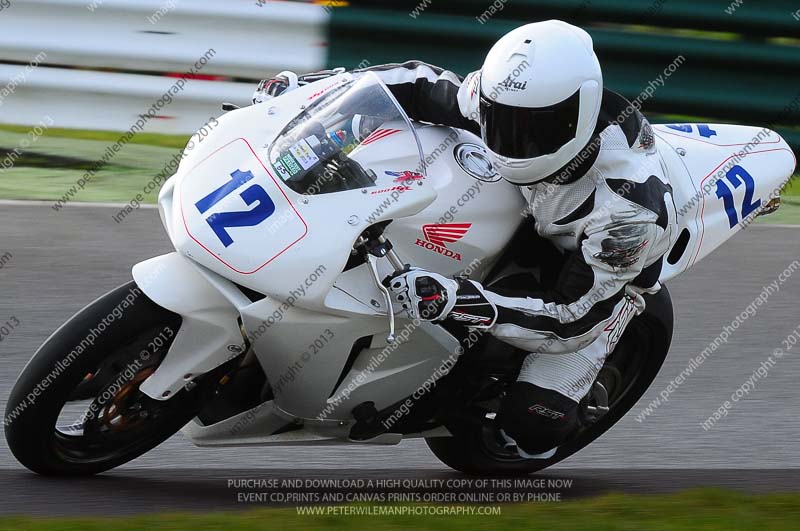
438,236
444,234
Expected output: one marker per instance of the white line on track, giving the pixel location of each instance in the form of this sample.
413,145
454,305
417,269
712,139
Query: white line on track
11,202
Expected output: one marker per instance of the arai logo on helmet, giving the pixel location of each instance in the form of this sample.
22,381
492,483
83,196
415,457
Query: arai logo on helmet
511,84
437,235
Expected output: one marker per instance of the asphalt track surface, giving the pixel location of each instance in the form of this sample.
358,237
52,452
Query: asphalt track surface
62,260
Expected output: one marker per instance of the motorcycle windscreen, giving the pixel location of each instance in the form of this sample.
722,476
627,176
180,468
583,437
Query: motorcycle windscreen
317,152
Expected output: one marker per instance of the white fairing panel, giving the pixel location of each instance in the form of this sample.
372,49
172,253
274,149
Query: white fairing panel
471,221
209,329
722,177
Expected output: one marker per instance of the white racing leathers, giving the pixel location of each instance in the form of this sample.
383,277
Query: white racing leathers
611,209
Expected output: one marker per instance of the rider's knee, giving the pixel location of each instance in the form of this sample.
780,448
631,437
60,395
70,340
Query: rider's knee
537,419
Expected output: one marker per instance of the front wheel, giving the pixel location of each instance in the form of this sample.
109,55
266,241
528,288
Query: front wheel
76,409
627,374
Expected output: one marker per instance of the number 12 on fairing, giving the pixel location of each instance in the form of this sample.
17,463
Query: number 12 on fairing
738,175
221,221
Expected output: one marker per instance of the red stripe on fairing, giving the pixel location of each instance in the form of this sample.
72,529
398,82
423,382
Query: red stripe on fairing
378,135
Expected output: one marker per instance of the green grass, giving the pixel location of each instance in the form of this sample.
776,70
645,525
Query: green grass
145,139
789,213
696,509
792,190
55,162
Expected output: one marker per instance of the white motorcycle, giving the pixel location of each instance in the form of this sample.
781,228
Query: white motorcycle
271,323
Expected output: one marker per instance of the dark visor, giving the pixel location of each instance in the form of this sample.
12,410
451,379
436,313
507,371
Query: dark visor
525,133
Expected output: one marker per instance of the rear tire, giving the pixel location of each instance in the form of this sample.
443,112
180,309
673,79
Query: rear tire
116,428
646,341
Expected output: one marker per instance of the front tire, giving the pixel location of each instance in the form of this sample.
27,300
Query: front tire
101,355
639,355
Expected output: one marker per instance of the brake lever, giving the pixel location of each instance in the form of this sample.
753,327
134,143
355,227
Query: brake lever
435,331
372,262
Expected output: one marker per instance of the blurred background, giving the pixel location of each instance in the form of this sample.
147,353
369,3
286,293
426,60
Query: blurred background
74,73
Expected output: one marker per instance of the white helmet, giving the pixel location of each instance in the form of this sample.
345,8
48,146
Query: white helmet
541,90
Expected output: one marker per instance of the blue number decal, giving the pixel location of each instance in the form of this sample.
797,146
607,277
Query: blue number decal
736,176
681,128
239,177
725,193
705,131
702,129
221,221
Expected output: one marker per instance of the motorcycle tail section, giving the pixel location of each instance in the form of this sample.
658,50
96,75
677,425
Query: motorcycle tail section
723,177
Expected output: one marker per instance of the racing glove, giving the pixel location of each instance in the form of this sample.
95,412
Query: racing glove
432,297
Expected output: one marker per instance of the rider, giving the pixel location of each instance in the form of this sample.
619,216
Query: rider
585,160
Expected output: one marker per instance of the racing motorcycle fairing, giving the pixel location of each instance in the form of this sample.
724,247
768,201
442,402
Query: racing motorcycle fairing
723,176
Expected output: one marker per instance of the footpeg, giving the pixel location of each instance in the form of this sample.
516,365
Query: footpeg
600,397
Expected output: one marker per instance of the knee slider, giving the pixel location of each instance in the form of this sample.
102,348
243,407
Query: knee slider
537,419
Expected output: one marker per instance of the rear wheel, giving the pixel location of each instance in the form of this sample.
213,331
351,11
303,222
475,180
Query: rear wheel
76,409
626,375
